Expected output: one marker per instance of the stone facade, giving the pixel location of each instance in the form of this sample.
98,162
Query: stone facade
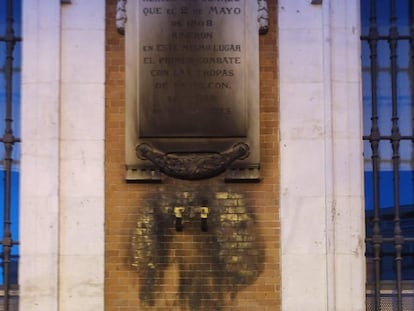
292,242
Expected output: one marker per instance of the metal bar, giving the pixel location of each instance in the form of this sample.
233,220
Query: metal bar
8,141
7,156
390,240
374,140
411,72
386,37
7,39
395,144
386,137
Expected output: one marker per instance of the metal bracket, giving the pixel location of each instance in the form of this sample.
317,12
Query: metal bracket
178,212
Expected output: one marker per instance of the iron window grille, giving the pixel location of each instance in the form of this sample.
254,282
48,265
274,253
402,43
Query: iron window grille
387,43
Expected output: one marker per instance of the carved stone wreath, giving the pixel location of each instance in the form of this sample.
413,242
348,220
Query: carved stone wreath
192,166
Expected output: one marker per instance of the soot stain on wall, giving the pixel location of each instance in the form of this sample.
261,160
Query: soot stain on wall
201,270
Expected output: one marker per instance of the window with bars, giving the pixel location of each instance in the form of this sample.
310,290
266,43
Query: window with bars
10,68
387,43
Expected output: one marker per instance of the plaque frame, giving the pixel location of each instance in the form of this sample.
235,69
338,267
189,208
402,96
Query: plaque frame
244,168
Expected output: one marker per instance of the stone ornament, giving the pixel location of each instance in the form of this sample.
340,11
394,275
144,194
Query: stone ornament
262,16
193,166
121,16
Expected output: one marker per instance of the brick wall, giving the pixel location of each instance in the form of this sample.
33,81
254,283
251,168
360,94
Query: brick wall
150,265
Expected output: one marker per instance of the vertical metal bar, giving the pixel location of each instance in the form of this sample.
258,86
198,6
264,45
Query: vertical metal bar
374,139
8,141
8,151
395,143
411,72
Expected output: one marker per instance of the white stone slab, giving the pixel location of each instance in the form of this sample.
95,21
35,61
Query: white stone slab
298,15
329,57
299,104
303,174
36,294
82,215
347,125
82,286
307,236
83,100
308,293
39,183
62,163
84,15
83,56
302,56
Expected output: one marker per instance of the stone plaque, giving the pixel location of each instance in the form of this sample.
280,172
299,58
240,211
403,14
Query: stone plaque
192,76
192,59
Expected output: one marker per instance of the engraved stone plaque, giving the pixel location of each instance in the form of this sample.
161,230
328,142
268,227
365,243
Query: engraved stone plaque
192,76
192,58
